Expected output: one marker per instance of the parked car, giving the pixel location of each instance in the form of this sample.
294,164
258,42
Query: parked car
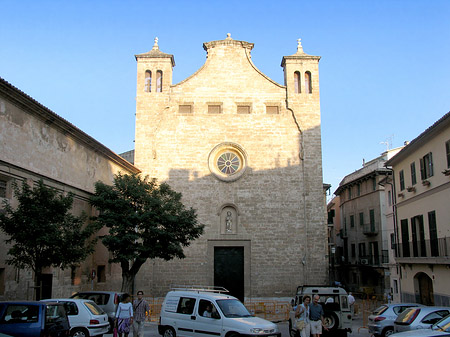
337,312
419,318
33,319
440,328
107,300
202,312
85,317
381,322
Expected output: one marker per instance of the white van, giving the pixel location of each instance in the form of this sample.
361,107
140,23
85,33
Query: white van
207,312
337,313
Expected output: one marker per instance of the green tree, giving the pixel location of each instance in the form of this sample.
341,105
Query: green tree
145,221
42,231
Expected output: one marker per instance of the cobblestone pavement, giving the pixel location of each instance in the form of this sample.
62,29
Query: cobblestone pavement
151,330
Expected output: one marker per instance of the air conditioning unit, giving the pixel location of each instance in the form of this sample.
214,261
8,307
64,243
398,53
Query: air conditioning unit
364,261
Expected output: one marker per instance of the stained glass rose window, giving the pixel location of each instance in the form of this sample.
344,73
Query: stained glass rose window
227,161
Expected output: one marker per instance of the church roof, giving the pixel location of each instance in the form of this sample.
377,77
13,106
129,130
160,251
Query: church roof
228,42
156,53
30,105
300,54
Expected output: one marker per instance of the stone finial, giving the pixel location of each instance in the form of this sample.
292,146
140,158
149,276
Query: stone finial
155,45
228,36
299,47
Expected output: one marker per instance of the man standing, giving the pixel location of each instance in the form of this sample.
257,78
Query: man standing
351,302
140,307
316,317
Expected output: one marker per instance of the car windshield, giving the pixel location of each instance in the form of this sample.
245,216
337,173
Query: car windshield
442,325
94,308
53,312
233,308
100,299
380,310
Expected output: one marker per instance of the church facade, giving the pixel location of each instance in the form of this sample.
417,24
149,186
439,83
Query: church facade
245,152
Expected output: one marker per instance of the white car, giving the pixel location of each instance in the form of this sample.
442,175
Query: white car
85,317
203,312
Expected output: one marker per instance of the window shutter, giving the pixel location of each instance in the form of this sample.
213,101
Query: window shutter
447,149
431,164
422,170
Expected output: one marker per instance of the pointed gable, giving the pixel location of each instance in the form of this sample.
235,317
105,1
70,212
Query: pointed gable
229,68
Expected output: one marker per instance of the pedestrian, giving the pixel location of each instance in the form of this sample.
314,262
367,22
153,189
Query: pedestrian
140,308
351,302
302,315
316,317
124,315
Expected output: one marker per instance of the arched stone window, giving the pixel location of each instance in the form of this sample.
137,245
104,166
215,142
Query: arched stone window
308,85
159,79
297,82
148,81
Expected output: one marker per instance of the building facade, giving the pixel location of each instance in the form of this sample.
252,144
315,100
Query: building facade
422,217
245,152
36,143
364,258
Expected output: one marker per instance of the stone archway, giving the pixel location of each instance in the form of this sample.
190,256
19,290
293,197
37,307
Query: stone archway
423,286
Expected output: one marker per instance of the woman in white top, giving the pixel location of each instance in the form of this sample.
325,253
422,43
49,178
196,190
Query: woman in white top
302,314
124,315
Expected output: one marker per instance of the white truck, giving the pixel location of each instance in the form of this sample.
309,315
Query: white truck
202,312
337,312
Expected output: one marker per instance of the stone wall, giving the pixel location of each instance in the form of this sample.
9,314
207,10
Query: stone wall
38,144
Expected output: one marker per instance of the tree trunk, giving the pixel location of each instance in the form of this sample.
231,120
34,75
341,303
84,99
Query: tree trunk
37,284
128,283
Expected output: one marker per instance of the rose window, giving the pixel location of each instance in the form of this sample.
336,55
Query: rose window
228,163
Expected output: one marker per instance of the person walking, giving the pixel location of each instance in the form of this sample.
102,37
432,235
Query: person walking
316,317
302,315
351,302
124,315
140,308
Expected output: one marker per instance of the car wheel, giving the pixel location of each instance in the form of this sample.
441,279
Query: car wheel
331,321
233,334
79,333
169,332
387,332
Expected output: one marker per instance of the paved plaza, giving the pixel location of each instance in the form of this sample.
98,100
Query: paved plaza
151,329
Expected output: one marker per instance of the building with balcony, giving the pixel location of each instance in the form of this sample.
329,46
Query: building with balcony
422,232
335,239
363,264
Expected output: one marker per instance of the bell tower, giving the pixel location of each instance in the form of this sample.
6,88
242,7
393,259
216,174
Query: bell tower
301,78
154,71
154,81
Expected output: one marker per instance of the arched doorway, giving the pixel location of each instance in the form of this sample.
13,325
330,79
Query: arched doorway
424,288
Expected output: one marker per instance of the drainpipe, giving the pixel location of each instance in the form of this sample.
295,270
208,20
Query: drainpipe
394,210
301,156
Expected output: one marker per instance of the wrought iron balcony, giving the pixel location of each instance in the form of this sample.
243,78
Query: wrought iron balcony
370,228
435,249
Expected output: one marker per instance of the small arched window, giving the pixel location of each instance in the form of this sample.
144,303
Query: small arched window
159,79
308,85
297,82
148,81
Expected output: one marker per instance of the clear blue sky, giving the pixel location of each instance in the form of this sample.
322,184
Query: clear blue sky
384,72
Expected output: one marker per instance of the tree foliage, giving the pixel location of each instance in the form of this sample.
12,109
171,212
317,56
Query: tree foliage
145,221
42,231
